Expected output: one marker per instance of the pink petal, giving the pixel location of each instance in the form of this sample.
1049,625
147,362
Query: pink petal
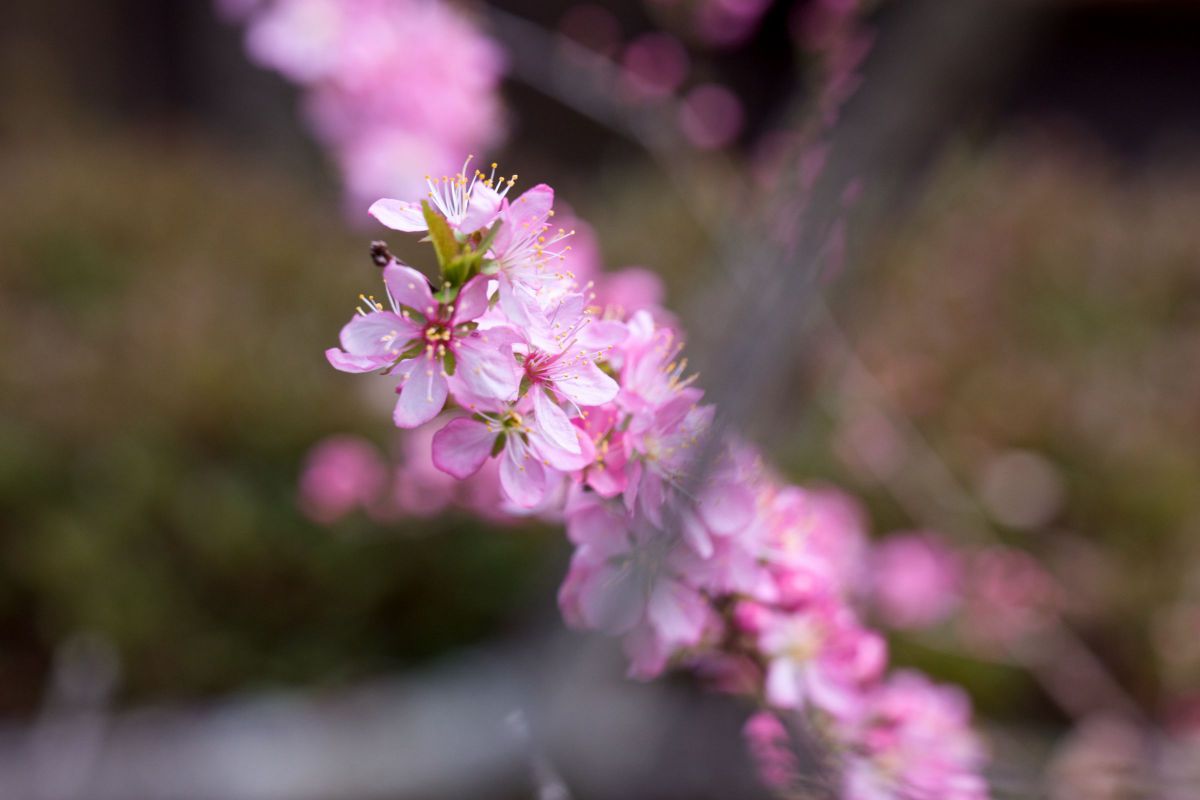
647,653
381,333
588,385
603,531
783,684
521,477
347,362
423,394
486,372
696,534
677,612
603,333
462,447
727,508
610,600
472,300
409,288
518,306
562,460
398,215
482,209
533,206
552,424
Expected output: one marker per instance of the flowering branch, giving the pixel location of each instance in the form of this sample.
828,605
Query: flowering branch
714,565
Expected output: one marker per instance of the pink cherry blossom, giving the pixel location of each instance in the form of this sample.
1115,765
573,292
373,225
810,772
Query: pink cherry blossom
467,203
533,446
529,257
915,742
432,346
818,654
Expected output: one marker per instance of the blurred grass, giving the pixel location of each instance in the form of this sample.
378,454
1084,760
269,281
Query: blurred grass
163,312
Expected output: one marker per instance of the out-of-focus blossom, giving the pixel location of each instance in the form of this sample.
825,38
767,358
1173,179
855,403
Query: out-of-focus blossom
916,580
727,23
770,748
395,89
1008,597
342,474
655,65
711,116
915,741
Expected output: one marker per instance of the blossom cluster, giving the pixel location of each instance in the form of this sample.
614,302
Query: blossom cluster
697,555
391,87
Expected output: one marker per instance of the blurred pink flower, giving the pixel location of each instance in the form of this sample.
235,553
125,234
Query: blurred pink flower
915,741
711,116
394,88
341,474
1008,597
770,748
656,65
728,23
916,580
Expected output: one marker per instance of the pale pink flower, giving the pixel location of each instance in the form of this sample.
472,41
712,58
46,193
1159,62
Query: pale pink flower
561,354
432,346
916,580
607,475
468,204
529,257
533,444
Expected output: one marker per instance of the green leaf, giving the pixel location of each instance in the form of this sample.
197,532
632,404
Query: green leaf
415,349
450,362
443,239
498,445
525,384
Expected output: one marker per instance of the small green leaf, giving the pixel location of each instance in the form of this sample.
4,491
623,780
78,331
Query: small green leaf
446,294
450,362
525,384
498,445
415,349
443,239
